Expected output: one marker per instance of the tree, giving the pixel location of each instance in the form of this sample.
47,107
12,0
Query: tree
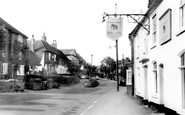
108,67
73,67
91,70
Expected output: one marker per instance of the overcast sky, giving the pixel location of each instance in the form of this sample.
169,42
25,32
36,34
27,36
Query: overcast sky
75,24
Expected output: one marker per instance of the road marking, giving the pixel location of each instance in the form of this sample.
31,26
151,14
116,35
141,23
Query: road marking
83,113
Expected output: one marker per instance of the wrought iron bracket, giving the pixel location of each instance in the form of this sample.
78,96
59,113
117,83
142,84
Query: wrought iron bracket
131,16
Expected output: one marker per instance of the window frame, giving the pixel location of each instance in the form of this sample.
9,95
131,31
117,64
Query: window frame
181,17
154,31
155,72
182,68
20,71
5,68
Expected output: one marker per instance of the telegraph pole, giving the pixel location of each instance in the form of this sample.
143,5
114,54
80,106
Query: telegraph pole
117,65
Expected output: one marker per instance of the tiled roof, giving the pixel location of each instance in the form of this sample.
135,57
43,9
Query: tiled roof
8,26
69,52
62,55
49,48
33,58
42,46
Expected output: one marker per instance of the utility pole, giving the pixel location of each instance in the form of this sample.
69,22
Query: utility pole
117,65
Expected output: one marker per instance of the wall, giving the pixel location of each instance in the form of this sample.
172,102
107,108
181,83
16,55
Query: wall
169,87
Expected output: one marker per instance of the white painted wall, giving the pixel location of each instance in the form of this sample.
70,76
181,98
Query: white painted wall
167,55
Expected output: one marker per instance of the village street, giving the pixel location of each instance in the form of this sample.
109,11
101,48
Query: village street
68,100
72,100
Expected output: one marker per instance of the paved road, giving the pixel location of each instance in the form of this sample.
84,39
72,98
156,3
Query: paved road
68,100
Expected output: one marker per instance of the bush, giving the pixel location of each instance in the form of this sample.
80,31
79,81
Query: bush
56,85
38,82
92,83
11,86
49,83
35,84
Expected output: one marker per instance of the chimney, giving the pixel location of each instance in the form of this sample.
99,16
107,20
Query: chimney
54,44
32,48
44,37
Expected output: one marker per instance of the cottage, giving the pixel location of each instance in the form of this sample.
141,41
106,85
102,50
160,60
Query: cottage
52,60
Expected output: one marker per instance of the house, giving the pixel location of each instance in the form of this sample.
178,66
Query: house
71,55
34,62
13,53
52,60
159,55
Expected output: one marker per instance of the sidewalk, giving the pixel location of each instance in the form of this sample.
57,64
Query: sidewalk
117,103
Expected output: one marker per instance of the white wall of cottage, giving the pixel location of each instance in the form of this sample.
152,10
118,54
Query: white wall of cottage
169,80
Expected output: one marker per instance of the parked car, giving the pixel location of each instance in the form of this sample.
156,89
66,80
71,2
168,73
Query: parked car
83,76
97,78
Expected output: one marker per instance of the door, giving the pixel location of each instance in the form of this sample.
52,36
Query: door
145,82
161,83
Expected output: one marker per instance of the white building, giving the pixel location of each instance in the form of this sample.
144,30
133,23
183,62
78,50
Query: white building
159,55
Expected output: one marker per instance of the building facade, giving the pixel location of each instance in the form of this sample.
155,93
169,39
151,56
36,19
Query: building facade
51,60
159,55
13,55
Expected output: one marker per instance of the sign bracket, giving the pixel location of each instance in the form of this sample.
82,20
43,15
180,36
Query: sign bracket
128,15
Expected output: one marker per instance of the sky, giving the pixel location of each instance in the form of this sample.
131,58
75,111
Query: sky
74,24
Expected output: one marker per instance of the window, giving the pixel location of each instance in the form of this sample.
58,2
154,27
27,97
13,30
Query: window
20,71
183,78
49,56
20,38
165,27
155,77
154,37
5,68
182,14
20,55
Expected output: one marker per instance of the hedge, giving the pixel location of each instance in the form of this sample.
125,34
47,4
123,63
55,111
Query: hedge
11,85
40,82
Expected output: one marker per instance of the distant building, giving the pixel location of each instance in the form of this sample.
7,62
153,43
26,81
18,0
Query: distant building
159,55
71,54
52,60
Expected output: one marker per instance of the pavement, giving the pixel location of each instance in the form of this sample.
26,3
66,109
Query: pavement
117,103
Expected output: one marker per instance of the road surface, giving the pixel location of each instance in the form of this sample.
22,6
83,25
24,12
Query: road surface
68,100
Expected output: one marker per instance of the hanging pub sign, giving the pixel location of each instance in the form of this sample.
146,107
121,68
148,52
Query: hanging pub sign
114,28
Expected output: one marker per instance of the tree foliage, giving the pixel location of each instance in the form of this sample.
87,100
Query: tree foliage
108,66
73,67
91,70
3,37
